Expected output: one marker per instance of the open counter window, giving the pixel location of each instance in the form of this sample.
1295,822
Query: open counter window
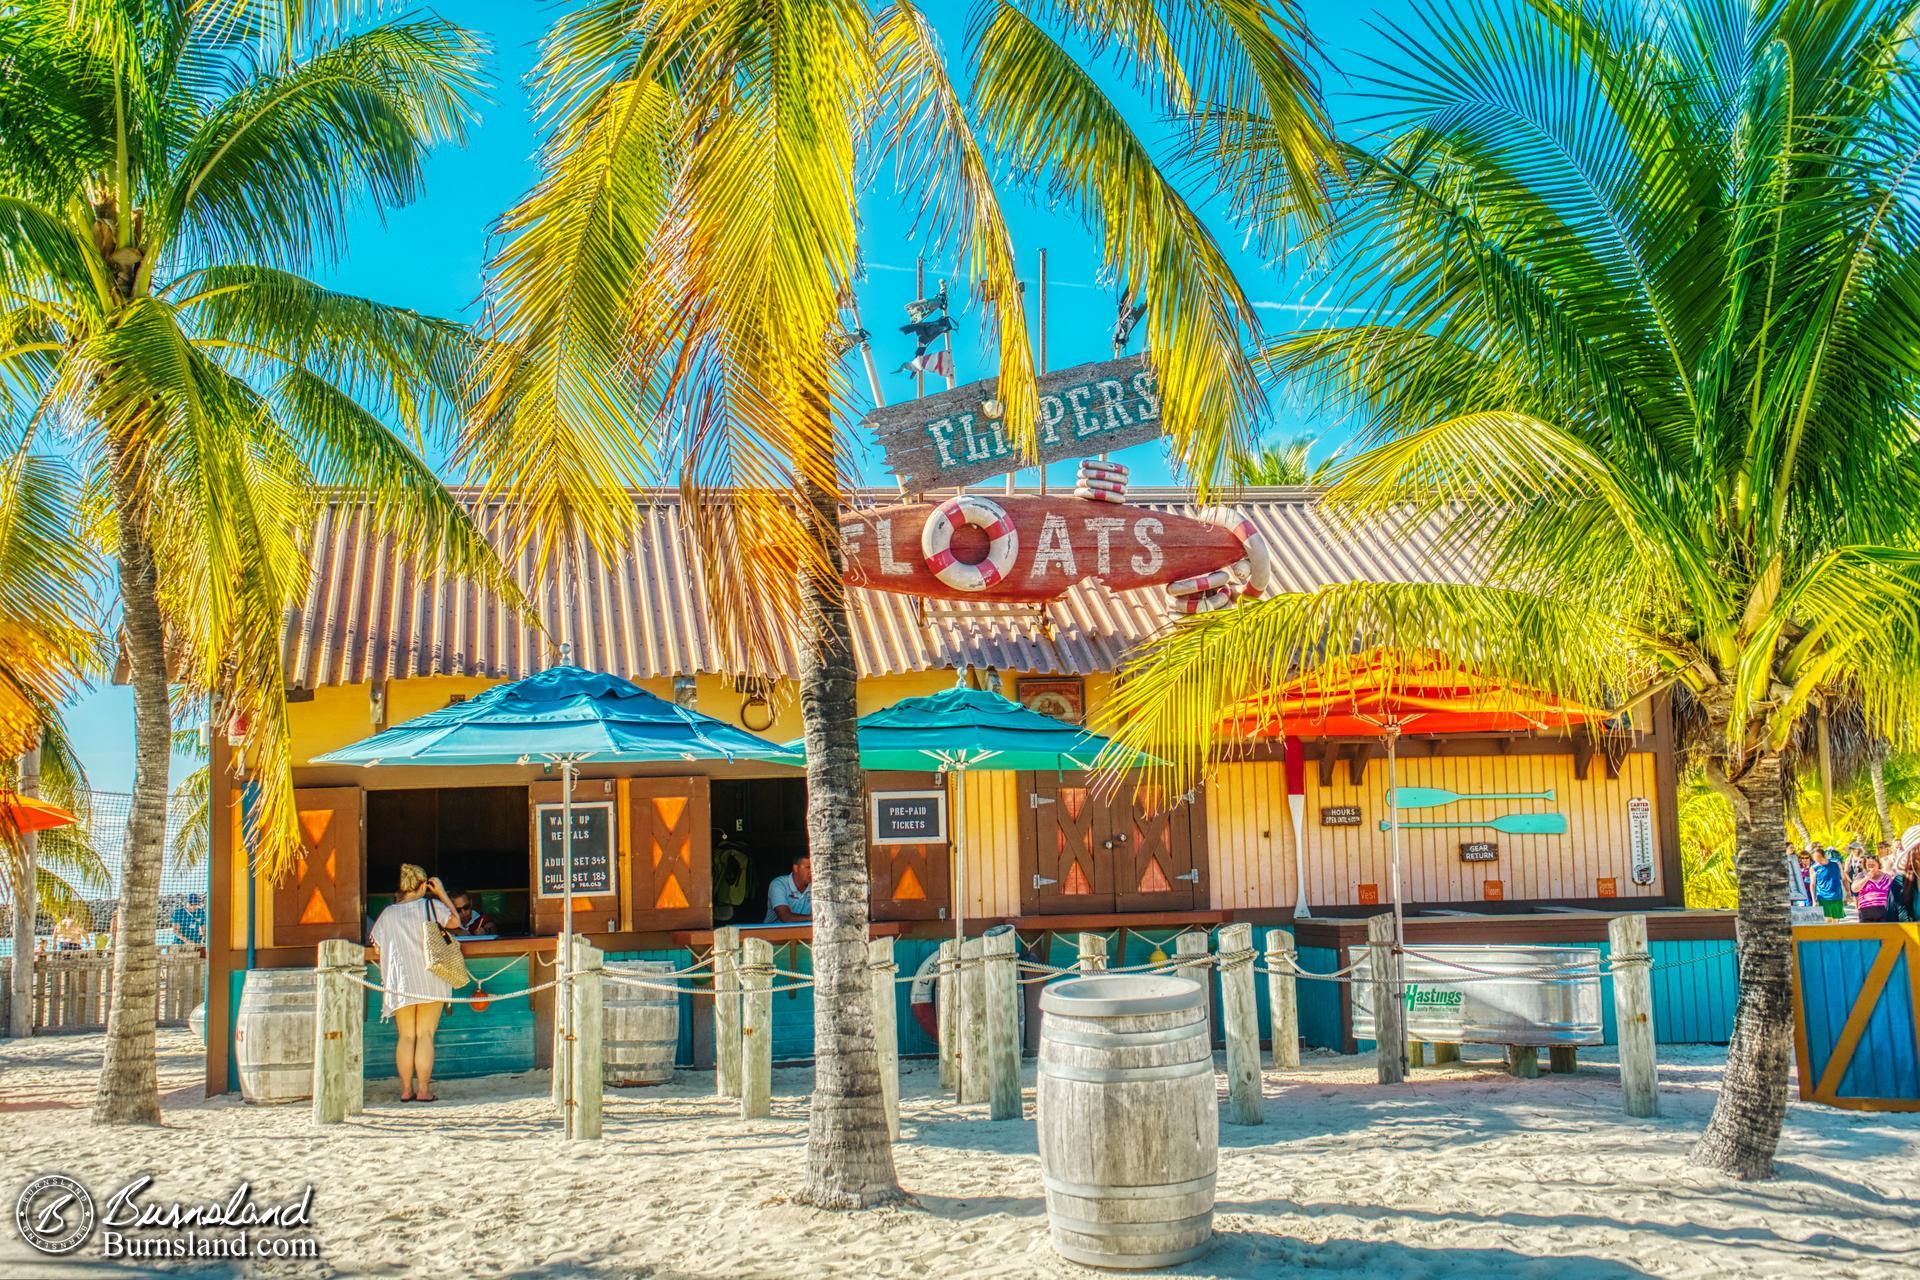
473,838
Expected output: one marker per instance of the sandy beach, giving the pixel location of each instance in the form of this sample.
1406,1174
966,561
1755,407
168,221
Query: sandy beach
1464,1173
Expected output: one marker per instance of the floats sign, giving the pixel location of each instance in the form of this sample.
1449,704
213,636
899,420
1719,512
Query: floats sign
956,437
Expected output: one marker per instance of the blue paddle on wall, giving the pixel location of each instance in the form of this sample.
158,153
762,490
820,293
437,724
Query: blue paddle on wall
1433,797
1518,824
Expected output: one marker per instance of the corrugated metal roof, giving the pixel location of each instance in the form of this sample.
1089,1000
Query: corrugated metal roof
371,616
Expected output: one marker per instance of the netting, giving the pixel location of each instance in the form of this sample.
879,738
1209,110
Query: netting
183,882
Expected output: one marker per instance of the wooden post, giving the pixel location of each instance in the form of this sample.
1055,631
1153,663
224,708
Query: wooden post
726,1012
881,971
1241,1018
1523,1062
1416,1054
1563,1059
1444,1053
1389,1020
562,1048
972,1067
1093,953
947,992
756,1029
588,1071
1633,1015
338,1086
1187,947
1283,1000
1001,996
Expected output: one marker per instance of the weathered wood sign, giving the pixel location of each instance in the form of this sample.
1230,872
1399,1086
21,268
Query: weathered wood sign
593,874
951,439
1057,542
1479,851
1339,815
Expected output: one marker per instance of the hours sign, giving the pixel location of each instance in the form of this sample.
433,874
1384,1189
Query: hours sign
954,438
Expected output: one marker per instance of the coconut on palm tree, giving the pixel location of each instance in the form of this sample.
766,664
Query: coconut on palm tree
1643,324
167,172
667,297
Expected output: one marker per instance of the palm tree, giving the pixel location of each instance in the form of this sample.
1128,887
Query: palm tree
1644,325
1284,462
666,298
167,170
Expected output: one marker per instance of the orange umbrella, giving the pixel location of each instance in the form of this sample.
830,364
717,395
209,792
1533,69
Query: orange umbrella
1384,693
22,814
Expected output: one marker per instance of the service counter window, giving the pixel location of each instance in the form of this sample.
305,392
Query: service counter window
474,838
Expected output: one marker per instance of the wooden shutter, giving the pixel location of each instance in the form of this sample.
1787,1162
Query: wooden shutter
1067,861
671,853
1159,864
590,915
319,897
909,881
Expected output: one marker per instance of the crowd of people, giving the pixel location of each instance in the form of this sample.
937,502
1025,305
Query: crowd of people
1878,885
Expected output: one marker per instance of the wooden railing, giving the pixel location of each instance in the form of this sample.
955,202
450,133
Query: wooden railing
72,989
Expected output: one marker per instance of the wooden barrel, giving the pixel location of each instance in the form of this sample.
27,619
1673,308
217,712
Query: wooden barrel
273,1035
642,1025
1129,1119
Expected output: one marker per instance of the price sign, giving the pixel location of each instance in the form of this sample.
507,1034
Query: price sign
1479,851
1339,815
909,817
592,849
1606,887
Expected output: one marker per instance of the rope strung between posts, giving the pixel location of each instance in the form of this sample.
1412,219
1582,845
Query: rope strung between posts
488,998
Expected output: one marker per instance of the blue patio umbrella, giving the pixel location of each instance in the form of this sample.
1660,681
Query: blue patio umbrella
564,715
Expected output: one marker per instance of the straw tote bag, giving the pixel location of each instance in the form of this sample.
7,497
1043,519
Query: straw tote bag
444,958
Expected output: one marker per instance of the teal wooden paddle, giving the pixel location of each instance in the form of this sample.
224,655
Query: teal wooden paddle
1433,797
1516,824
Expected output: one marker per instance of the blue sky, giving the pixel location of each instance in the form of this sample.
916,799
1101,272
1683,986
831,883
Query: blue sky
429,256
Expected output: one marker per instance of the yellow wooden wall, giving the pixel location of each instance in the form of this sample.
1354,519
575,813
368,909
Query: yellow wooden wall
992,835
1251,834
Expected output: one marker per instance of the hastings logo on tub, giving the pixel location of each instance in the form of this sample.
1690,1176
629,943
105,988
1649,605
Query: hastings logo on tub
1418,997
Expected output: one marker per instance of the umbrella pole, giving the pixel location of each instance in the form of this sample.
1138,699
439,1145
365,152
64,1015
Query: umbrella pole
1399,968
564,993
959,936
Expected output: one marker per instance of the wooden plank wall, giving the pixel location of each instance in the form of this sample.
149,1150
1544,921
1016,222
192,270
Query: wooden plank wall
1251,833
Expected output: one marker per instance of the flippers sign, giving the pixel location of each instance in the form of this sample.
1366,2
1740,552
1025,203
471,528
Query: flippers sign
957,437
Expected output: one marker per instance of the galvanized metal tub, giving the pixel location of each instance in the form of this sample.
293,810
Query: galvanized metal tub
273,1035
1128,1119
642,1025
1490,994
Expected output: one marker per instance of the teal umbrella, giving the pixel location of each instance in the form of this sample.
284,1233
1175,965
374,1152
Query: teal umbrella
564,715
960,731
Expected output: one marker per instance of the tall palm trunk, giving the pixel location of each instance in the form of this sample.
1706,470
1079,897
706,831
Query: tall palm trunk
26,903
849,1155
1877,771
129,1090
1745,1128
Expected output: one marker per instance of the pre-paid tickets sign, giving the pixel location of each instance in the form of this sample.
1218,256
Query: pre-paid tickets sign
954,438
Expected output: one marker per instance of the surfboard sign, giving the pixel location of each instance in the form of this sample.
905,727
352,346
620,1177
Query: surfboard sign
1046,545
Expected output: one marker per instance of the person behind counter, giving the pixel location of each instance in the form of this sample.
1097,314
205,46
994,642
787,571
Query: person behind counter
790,897
472,920
414,993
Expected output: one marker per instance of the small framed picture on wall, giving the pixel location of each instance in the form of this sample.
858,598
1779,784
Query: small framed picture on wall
1062,697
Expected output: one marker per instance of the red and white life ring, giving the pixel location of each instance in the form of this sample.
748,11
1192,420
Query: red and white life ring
936,542
1254,569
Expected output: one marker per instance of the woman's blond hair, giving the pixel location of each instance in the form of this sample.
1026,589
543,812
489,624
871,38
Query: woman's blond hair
411,877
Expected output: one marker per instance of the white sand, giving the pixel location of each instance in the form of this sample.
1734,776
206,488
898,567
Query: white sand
1464,1173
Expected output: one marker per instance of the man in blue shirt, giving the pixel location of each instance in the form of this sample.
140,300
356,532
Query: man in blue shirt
1828,888
790,897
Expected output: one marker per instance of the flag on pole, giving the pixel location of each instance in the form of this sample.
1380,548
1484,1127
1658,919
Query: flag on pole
938,363
920,308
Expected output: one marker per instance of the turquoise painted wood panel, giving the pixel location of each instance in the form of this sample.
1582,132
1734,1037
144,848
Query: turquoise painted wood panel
1321,1002
909,954
497,1040
1857,1042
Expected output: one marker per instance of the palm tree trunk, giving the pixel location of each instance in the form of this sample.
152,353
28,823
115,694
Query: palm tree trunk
129,1090
26,903
1877,771
1745,1129
849,1155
